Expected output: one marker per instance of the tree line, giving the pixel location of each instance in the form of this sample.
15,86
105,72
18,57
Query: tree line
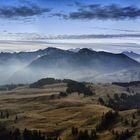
72,86
122,101
83,135
26,134
79,87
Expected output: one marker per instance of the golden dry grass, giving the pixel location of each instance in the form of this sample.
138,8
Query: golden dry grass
35,110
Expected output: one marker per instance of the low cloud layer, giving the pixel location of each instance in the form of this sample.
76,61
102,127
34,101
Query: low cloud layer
42,37
97,11
22,11
94,36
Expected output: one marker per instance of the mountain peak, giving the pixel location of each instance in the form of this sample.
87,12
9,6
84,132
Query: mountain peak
52,48
128,52
86,51
49,49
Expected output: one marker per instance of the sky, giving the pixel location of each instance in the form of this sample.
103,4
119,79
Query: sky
107,25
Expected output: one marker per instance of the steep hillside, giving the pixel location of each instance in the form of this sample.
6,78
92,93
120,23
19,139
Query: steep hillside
132,55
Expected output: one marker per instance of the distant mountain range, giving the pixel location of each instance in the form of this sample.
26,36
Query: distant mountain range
83,65
25,57
132,55
13,62
78,64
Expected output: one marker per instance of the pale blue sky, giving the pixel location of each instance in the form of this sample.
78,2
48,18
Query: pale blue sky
34,19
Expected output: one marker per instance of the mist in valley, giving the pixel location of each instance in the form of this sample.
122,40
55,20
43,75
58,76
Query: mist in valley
8,69
82,65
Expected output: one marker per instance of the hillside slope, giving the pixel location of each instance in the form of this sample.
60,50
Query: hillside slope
132,55
44,109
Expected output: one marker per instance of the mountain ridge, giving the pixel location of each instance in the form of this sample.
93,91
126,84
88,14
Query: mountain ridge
76,65
132,55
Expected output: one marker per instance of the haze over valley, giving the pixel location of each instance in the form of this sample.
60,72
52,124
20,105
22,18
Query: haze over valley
82,65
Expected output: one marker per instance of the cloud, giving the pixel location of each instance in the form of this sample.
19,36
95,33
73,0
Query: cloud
41,37
60,15
116,29
97,11
94,36
22,11
105,12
